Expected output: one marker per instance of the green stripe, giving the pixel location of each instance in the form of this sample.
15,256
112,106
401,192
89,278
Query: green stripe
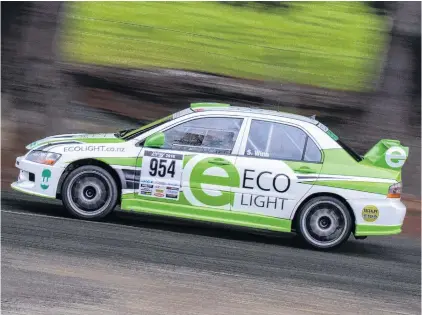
367,230
123,161
41,143
208,105
81,140
173,209
369,187
98,140
30,192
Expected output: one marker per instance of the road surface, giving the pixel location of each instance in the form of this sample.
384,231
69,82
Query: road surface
53,264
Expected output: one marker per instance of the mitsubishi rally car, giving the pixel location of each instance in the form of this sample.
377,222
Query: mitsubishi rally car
214,162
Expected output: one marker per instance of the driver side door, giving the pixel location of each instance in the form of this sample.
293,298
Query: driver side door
193,168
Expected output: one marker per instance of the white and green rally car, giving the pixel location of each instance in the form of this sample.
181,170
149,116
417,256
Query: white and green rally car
219,163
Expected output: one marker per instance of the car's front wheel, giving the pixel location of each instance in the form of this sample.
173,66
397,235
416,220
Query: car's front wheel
324,222
89,192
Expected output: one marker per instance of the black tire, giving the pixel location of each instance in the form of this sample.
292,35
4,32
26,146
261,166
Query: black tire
96,190
324,222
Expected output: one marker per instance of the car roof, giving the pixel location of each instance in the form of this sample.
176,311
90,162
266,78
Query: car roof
250,110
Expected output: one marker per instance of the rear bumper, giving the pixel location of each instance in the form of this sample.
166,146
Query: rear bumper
378,216
37,179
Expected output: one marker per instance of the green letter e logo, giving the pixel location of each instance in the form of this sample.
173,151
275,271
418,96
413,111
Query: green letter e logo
210,181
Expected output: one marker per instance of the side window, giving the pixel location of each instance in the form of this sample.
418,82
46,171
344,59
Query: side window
275,141
206,135
312,152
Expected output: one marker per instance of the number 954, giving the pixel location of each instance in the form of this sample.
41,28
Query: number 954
161,167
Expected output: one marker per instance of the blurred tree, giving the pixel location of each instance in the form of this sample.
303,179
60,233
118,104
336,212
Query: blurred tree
13,18
396,109
29,56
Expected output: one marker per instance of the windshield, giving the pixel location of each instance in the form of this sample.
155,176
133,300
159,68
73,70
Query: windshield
345,147
129,134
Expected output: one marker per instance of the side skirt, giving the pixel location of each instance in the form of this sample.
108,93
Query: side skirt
206,214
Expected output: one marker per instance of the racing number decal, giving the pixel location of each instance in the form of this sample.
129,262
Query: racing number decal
159,167
161,174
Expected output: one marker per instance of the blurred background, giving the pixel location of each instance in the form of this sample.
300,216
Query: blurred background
105,66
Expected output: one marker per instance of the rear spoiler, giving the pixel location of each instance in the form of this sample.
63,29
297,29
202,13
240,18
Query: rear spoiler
389,154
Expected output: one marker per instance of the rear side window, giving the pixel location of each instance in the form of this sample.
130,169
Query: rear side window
205,135
312,152
281,142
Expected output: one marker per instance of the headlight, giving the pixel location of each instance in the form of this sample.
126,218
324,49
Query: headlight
42,157
394,191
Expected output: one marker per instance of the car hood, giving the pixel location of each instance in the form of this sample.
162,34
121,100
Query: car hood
75,138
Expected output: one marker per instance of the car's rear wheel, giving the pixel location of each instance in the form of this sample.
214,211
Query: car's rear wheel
89,192
324,222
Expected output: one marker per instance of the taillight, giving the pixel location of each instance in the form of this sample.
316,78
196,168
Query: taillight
394,191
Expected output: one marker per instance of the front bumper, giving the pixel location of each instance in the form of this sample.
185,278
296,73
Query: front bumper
37,179
378,216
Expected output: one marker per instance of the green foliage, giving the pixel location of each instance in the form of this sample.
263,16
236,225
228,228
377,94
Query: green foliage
329,44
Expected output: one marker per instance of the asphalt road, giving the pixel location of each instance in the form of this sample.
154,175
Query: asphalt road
52,264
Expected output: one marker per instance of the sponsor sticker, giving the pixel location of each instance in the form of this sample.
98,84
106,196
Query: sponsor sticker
258,201
45,177
172,196
327,131
93,148
163,171
370,213
395,157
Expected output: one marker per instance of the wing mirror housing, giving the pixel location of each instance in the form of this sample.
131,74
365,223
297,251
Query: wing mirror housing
155,141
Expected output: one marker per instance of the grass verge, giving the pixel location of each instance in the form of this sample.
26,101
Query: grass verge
327,44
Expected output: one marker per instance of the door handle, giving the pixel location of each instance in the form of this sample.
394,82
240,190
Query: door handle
305,170
219,161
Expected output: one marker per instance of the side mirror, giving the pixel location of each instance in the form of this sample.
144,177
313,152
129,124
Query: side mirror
155,141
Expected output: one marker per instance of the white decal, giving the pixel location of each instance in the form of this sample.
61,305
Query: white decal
257,153
93,148
261,153
161,174
395,157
